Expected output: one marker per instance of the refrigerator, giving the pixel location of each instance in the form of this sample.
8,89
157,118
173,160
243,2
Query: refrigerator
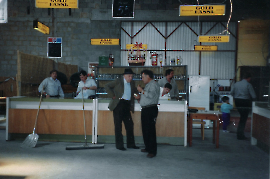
199,95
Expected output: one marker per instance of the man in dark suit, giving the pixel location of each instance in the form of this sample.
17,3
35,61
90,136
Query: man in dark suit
122,92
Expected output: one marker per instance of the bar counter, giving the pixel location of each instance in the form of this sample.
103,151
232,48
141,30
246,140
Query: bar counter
260,124
62,120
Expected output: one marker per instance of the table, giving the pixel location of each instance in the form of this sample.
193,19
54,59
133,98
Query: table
209,115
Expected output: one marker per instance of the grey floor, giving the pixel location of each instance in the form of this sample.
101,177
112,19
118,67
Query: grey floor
234,159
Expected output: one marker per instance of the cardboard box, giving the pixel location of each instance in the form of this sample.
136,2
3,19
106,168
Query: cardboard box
217,107
103,61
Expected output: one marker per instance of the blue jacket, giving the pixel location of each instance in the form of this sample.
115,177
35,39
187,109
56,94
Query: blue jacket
226,108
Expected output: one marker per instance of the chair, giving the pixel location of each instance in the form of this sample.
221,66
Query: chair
199,122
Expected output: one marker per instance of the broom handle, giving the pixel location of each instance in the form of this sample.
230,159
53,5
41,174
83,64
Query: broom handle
84,119
38,111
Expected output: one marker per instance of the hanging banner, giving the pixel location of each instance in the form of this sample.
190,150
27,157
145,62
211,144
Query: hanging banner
136,46
205,48
202,10
57,4
104,41
3,11
41,27
214,38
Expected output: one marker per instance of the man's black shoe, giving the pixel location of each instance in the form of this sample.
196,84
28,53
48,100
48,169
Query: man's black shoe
122,148
143,150
151,155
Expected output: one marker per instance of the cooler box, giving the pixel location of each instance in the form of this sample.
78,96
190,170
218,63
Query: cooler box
103,61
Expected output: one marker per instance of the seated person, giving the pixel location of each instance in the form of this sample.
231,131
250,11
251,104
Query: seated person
164,91
87,85
51,86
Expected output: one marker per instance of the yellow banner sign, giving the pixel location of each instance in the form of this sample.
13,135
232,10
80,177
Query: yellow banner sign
41,27
56,3
202,10
104,41
136,46
205,48
214,38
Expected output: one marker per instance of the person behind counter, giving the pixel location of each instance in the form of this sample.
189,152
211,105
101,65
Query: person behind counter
87,85
169,79
51,86
242,91
164,91
122,91
148,101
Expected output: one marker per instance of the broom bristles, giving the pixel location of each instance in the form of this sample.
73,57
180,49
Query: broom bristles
30,141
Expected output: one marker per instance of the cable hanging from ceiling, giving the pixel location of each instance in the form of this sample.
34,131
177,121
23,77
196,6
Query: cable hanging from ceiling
226,31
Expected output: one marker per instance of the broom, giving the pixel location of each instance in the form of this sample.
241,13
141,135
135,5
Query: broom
85,145
31,139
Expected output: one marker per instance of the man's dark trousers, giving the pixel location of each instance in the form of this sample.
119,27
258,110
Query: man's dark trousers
243,106
148,120
122,114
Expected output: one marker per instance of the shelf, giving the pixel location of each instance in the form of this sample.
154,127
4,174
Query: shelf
136,79
107,74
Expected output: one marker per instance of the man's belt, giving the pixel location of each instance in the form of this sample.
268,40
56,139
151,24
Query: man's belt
148,106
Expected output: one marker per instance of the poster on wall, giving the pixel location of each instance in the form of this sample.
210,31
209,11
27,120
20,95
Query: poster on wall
3,11
54,49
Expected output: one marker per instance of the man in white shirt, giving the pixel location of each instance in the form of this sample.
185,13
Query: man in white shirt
169,78
51,86
164,91
87,85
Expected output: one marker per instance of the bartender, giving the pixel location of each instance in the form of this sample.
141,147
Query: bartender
51,86
169,79
87,85
164,91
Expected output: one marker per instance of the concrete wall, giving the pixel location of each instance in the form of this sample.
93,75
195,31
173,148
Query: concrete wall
93,19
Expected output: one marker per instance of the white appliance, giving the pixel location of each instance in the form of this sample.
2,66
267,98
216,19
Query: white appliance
199,95
221,95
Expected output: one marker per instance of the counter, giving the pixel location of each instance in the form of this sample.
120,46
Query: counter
58,120
260,124
62,120
171,126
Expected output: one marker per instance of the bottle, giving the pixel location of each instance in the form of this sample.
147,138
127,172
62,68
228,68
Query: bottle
169,97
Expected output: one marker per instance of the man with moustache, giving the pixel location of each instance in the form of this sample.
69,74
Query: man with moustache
148,100
51,86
